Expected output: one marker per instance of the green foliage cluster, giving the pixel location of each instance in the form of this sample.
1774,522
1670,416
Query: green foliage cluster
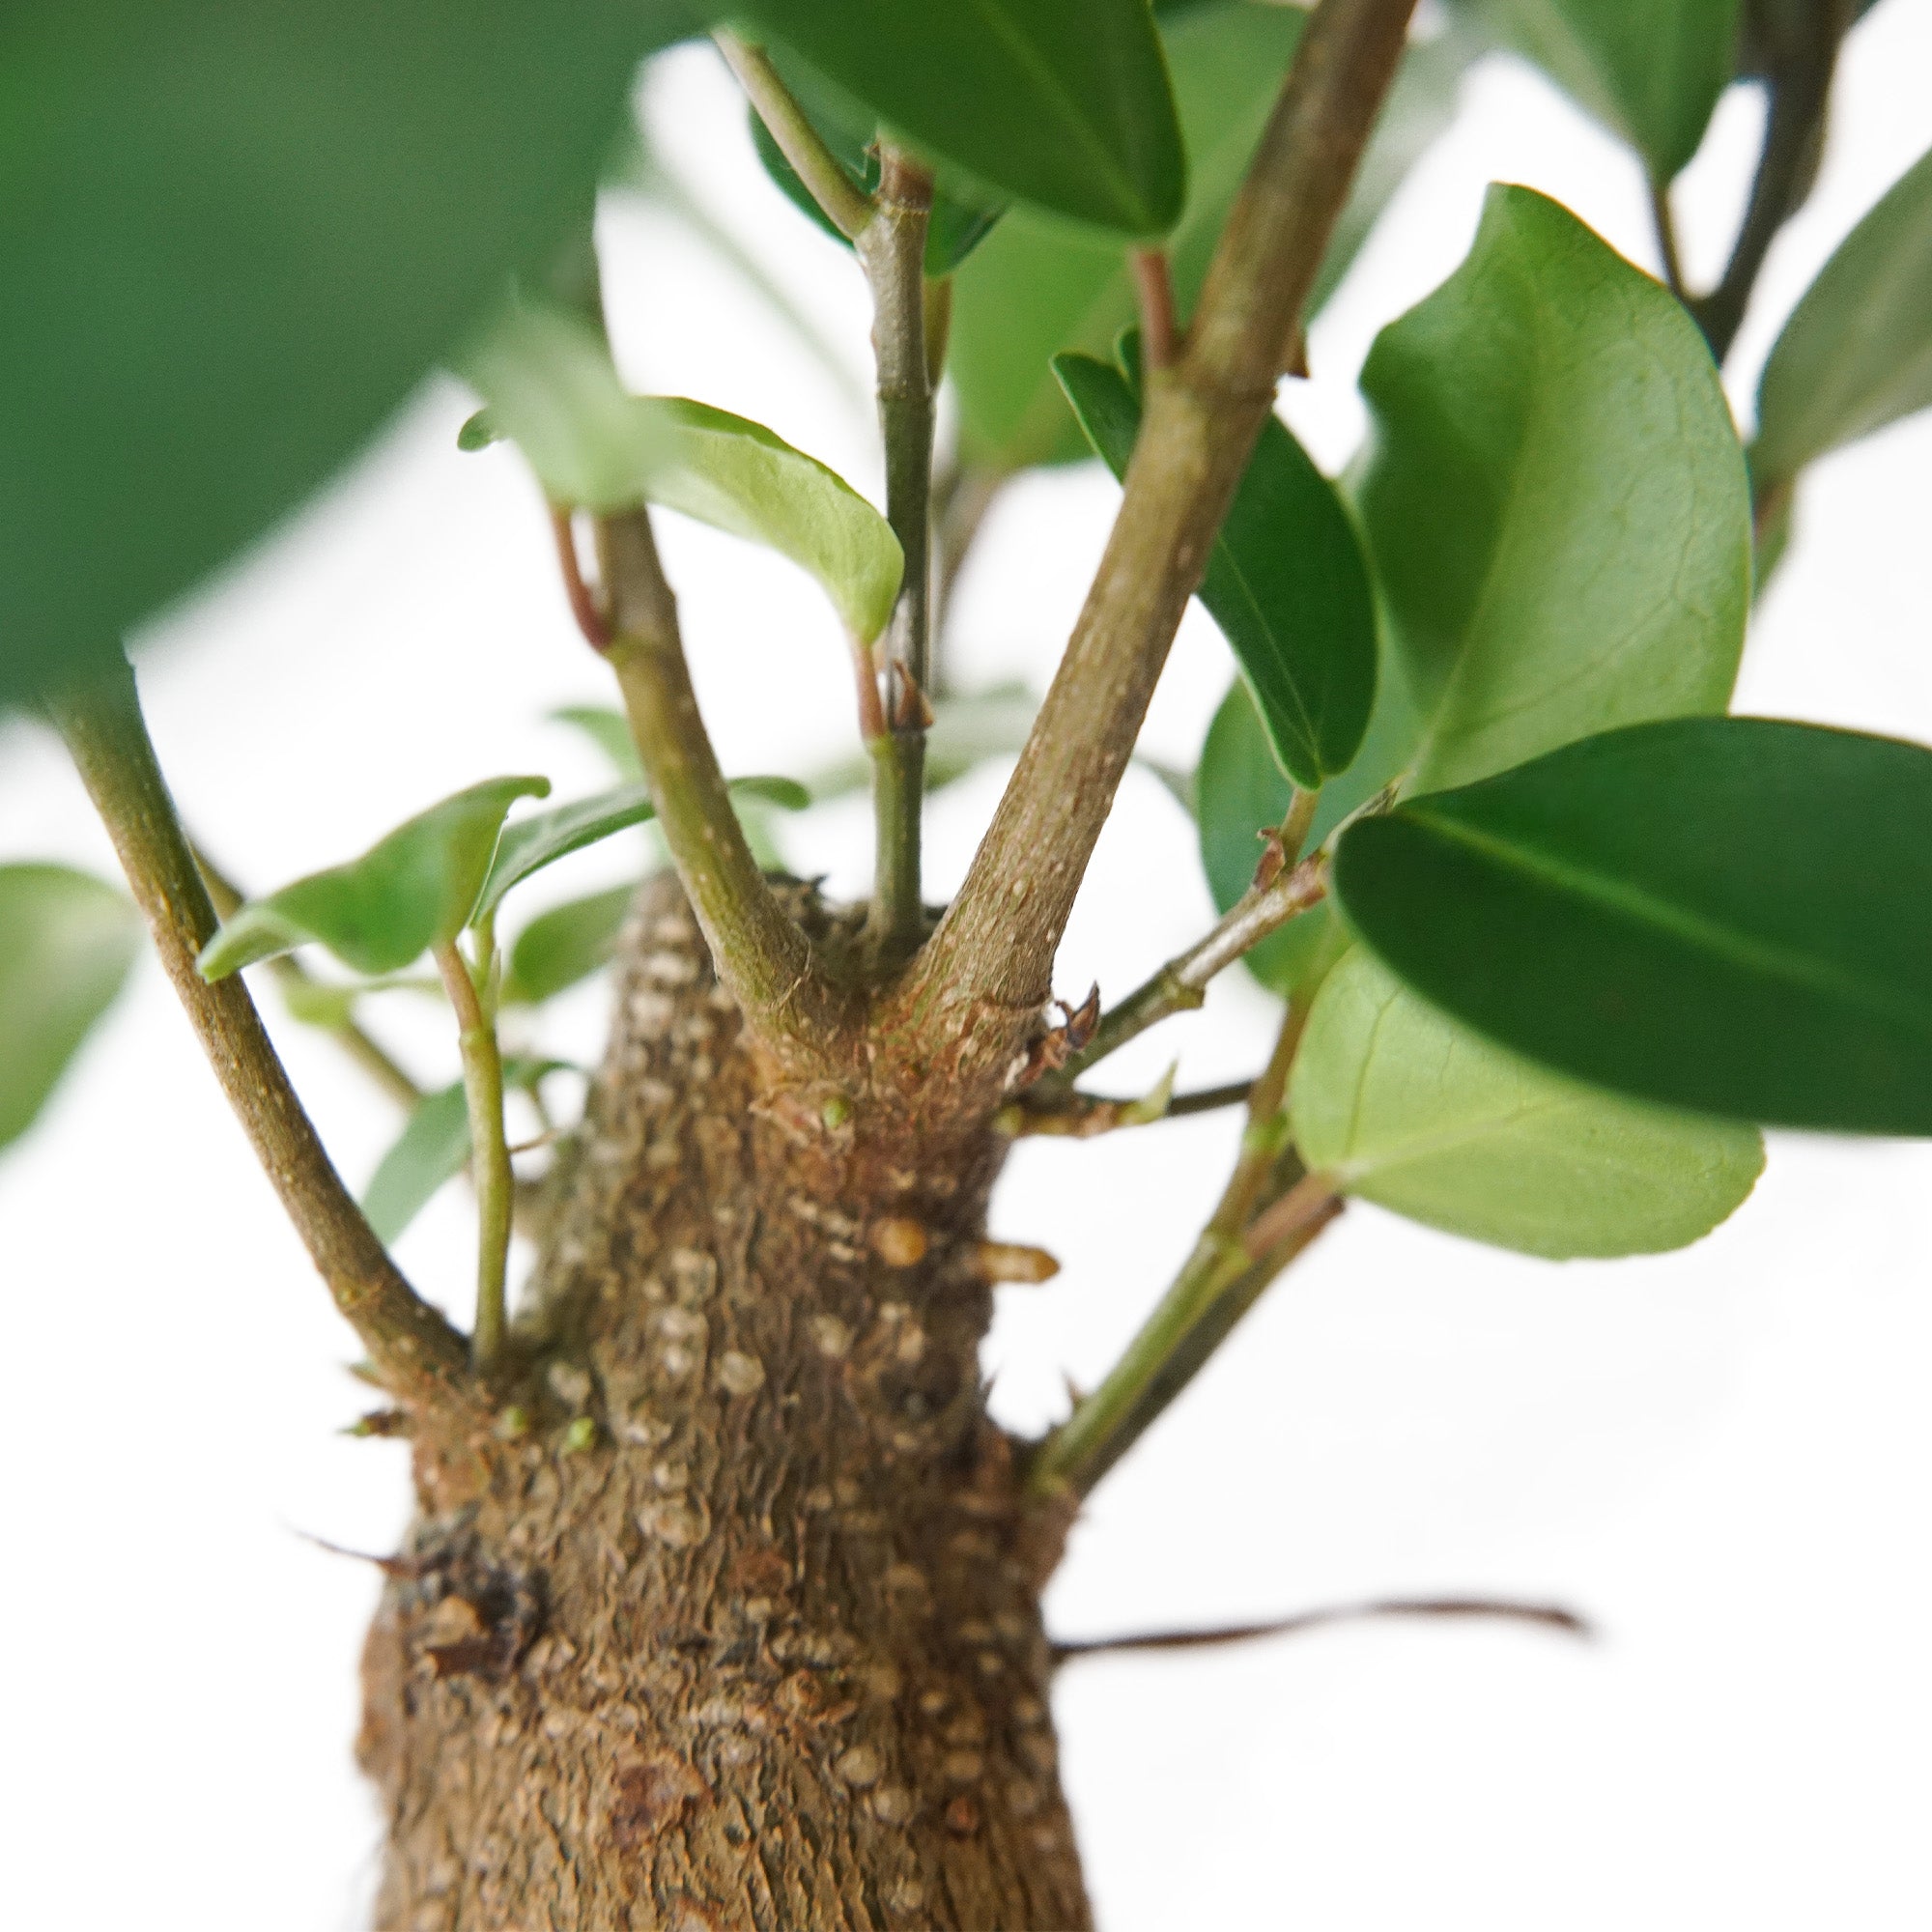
1585,931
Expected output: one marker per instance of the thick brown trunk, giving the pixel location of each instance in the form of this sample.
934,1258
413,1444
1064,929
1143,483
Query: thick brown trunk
765,1651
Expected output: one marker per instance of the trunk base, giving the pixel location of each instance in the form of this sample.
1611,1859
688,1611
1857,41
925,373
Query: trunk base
734,1622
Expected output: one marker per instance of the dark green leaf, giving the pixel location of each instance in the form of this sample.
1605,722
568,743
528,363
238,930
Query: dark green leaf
1284,581
1403,1106
1649,69
567,943
67,941
235,238
1729,914
1555,499
552,386
1063,103
410,891
1856,352
1036,288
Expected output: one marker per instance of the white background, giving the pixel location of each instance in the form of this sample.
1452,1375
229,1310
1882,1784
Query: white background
1723,1455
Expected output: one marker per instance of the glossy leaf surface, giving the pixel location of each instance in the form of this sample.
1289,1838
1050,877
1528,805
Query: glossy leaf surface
551,386
411,890
1649,69
564,945
1856,352
1555,499
66,940
1284,581
234,239
1063,103
1733,914
1409,1109
1035,287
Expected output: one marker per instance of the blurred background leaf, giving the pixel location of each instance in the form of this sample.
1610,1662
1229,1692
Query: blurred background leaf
66,940
236,236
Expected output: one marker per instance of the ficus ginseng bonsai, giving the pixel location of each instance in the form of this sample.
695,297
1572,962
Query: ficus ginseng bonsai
721,1608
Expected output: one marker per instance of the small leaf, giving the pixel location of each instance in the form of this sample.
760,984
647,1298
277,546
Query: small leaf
610,731
410,891
1856,352
1555,499
235,238
532,844
1405,1108
1649,69
432,1149
550,385
1063,103
1728,914
1035,287
67,941
567,943
1284,581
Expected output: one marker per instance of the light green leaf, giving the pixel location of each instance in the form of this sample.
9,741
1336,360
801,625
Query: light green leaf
567,943
1555,499
1649,69
234,239
432,1149
411,890
532,844
551,386
1035,287
1284,581
1856,352
610,731
66,940
1063,103
1404,1107
1728,914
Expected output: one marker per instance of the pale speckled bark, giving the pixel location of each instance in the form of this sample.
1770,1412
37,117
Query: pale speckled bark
767,1655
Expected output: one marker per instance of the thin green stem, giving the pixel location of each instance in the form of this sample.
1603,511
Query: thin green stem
892,250
293,978
1215,1279
415,1353
814,163
489,1152
1181,984
1664,224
